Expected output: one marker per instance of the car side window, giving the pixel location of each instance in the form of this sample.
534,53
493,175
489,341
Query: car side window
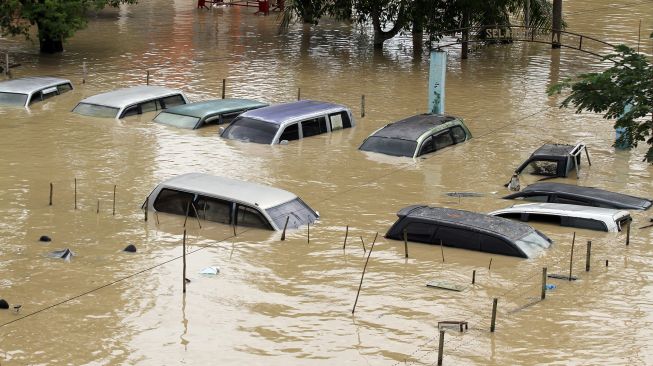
428,146
459,238
247,216
172,201
62,88
131,111
314,126
228,117
290,133
536,198
148,106
339,120
492,244
213,209
458,134
420,232
571,201
442,140
172,101
583,223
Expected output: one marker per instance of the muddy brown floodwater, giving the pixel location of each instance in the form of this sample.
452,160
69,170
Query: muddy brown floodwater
290,302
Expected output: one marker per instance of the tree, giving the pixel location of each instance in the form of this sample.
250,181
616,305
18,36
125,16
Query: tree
623,92
56,20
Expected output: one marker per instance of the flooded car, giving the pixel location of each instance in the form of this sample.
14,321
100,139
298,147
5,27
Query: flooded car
579,195
24,92
555,160
584,217
199,114
468,230
230,201
131,101
285,122
417,135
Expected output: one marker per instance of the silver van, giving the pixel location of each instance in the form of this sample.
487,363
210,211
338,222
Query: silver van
25,91
127,102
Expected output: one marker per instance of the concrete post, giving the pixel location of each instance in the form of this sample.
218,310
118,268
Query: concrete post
437,73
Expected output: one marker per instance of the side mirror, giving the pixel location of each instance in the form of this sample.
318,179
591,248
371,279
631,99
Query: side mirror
283,142
221,130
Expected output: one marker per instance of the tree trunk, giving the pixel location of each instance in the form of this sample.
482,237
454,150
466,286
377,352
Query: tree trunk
51,45
557,24
464,51
418,38
380,35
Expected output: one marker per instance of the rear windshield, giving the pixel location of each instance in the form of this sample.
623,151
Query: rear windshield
533,243
297,212
13,99
95,110
177,120
251,130
388,146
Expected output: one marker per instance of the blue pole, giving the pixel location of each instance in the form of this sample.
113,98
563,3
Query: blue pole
437,73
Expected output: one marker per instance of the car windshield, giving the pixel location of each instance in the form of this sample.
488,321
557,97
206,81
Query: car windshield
296,211
177,120
13,99
251,130
532,243
95,110
389,146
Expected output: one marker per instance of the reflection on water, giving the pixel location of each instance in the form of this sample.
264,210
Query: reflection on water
289,302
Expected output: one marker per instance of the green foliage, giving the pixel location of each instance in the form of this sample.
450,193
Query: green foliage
623,92
56,20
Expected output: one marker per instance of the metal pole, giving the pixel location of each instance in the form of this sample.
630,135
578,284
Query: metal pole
494,315
344,243
587,258
363,274
224,87
440,348
283,234
183,244
571,257
51,188
406,242
362,105
543,283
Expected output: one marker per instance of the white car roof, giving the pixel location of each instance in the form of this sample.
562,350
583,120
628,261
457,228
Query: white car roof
124,97
29,85
560,209
253,194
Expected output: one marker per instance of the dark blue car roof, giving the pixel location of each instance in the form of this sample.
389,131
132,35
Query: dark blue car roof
280,113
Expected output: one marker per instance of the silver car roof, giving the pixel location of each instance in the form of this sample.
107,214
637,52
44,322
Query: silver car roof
586,212
29,85
124,97
253,194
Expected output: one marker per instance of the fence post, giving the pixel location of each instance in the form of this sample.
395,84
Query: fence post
494,314
587,258
224,87
571,257
363,106
440,348
543,283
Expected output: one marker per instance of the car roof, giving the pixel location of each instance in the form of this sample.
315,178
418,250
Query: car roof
553,150
595,194
280,113
124,97
413,127
561,209
30,84
216,106
507,228
250,193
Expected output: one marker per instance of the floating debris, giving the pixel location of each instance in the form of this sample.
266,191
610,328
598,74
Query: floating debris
464,194
446,286
550,286
131,248
65,254
17,308
210,271
4,304
562,277
45,238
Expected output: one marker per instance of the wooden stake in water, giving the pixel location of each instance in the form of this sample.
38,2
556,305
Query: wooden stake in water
299,93
363,274
187,212
628,233
406,242
147,206
84,72
543,295
363,106
224,87
587,256
489,267
51,189
442,250
98,207
283,234
473,277
113,210
75,193
147,80
362,242
571,257
7,64
183,246
344,243
494,314
308,232
441,348
197,215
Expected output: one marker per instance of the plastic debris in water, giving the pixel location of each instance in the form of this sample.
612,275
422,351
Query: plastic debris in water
45,238
550,286
131,248
4,304
210,271
65,254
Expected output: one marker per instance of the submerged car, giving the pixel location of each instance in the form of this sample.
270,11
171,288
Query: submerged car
199,114
468,230
584,217
285,122
230,201
578,195
556,160
131,101
25,91
417,135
